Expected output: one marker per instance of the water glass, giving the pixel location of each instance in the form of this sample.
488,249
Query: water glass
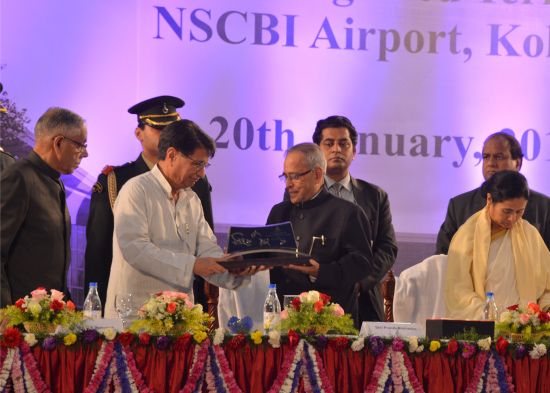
124,306
287,301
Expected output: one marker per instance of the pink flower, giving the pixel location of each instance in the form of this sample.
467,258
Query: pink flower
337,310
70,305
173,294
39,293
284,314
524,318
57,295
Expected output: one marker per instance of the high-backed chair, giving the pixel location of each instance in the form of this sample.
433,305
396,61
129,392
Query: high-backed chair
419,291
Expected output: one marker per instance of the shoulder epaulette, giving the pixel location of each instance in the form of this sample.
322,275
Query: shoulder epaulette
108,169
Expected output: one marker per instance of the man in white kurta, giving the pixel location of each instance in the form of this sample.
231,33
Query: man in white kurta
161,239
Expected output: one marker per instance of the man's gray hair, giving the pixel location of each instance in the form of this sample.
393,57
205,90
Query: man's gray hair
59,121
312,153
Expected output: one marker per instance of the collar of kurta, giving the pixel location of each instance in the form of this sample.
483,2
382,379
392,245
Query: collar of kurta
166,187
43,166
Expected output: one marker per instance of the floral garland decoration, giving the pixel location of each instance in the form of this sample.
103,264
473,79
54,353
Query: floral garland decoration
288,376
490,374
196,374
315,377
20,365
393,369
219,377
101,374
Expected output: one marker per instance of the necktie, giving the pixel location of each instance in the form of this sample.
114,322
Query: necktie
336,190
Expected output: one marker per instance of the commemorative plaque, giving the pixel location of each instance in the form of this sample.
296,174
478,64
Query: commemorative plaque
270,245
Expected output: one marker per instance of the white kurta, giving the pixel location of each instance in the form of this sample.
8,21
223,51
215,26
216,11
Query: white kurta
156,241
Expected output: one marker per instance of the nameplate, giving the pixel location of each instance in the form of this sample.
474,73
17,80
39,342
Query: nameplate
390,329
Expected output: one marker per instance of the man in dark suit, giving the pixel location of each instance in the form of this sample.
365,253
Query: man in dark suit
6,159
333,231
152,115
35,226
501,151
337,138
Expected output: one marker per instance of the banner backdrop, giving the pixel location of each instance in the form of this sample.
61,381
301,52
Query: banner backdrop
423,81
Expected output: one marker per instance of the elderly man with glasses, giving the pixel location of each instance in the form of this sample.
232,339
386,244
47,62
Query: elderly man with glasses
161,239
332,230
35,222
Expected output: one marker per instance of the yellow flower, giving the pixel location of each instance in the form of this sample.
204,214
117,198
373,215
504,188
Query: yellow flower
200,337
434,345
69,339
256,337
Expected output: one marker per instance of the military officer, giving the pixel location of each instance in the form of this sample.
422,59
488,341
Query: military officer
152,115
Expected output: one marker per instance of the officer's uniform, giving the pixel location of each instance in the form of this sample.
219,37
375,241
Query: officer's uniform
156,112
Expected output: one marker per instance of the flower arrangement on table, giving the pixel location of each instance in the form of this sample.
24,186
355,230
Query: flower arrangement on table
312,313
524,323
170,313
42,313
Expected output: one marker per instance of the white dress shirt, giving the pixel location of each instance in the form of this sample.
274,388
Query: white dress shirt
156,241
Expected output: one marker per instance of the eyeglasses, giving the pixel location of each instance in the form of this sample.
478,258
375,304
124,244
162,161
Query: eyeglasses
292,176
198,164
79,145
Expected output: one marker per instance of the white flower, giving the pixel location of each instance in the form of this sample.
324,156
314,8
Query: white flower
34,307
420,348
219,336
274,338
506,317
109,333
30,339
413,343
313,296
484,344
538,351
358,344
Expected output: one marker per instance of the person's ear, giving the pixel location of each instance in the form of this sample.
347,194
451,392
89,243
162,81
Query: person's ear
139,134
489,199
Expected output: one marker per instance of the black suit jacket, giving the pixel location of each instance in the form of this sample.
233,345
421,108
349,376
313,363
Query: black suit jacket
344,258
463,206
375,204
35,230
99,230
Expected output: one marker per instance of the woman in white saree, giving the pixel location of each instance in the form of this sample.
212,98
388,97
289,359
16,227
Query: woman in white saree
497,251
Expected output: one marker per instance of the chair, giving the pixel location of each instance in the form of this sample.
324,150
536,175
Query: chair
419,291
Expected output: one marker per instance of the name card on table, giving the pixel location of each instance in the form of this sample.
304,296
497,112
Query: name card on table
391,329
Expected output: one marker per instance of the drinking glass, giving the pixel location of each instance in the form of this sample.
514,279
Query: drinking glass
124,306
287,301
